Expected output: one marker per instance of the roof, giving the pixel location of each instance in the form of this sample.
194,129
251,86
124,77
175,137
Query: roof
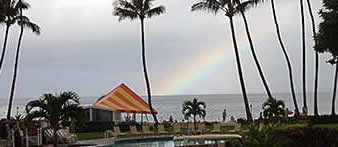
123,99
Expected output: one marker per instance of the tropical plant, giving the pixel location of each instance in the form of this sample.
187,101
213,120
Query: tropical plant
142,9
273,110
230,8
23,22
259,136
313,25
57,109
243,7
12,16
279,36
194,108
304,56
327,37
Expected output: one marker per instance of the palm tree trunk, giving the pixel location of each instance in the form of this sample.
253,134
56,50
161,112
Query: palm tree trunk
315,105
194,123
255,57
287,59
55,137
4,47
333,112
146,74
239,68
304,56
16,64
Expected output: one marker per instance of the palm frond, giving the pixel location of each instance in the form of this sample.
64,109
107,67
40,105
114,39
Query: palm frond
155,11
125,13
210,6
147,4
26,23
125,5
22,5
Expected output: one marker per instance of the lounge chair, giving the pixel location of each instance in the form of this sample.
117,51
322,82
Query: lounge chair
108,133
49,134
217,128
66,137
133,130
192,129
118,133
146,130
177,128
235,127
201,128
161,130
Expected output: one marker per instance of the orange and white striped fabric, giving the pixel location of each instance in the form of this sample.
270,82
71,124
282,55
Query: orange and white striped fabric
123,99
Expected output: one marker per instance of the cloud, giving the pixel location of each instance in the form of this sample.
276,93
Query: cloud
84,48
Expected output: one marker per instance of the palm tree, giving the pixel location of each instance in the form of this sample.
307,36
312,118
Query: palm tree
23,22
194,108
139,9
334,61
273,109
326,38
56,109
11,17
304,56
244,6
286,58
229,8
313,24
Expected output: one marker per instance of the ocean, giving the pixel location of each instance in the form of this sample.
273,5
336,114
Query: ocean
171,105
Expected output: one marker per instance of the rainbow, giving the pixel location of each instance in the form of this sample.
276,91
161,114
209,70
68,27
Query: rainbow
198,69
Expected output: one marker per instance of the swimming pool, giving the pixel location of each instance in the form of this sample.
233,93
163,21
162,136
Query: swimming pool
145,142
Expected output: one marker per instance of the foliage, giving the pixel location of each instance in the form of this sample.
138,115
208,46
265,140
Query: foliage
323,119
95,126
259,136
328,29
314,137
279,136
273,110
229,7
136,9
194,108
57,109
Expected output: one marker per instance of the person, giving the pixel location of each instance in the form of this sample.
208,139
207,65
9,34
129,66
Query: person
232,119
260,115
224,115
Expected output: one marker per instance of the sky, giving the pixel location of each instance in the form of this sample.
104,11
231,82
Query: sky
84,48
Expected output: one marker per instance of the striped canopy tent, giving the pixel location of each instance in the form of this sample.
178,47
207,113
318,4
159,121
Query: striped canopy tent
123,99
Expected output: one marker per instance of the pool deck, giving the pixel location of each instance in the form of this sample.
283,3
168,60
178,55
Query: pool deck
109,141
96,142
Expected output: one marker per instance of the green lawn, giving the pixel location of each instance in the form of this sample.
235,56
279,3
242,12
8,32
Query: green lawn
331,126
90,135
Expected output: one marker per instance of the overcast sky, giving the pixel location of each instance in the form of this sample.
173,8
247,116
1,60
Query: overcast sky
82,47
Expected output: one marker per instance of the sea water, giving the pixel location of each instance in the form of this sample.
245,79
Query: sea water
171,105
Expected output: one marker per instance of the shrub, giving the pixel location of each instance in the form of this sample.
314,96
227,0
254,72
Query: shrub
306,137
95,126
323,119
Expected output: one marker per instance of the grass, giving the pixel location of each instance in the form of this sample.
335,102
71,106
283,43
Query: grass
330,126
90,135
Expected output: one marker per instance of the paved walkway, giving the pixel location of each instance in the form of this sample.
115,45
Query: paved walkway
97,142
